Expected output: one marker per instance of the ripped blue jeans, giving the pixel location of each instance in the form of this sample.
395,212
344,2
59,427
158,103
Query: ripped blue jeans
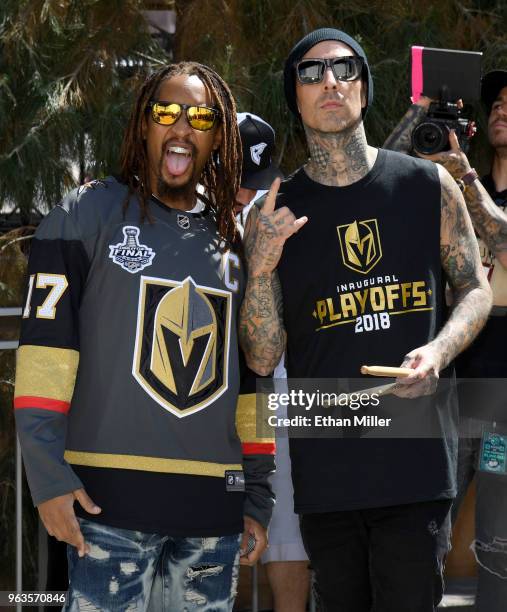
130,571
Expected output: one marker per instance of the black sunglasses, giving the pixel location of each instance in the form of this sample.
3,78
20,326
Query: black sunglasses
312,70
201,118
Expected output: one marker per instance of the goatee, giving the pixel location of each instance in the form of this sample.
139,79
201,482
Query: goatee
182,192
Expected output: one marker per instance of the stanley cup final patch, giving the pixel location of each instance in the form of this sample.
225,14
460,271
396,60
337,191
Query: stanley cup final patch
130,254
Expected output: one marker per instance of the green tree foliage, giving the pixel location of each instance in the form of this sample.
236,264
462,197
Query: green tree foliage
67,72
64,94
247,41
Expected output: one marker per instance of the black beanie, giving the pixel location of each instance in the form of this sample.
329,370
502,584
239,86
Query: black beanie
304,45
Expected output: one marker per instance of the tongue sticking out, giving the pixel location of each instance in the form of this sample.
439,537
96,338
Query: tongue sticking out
177,163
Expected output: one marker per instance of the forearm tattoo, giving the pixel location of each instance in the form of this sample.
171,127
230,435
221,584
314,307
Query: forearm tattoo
489,220
460,260
261,333
400,138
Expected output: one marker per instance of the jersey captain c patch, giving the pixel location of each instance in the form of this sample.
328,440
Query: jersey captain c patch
182,343
360,245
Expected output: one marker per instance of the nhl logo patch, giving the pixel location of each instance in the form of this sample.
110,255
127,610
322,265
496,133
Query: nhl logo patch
130,254
183,221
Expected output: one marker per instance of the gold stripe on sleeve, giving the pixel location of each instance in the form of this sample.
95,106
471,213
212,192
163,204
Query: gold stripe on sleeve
43,371
246,424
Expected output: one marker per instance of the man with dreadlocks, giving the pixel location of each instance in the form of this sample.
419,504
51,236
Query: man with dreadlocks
128,368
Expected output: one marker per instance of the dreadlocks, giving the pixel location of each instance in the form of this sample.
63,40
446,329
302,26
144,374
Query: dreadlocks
221,174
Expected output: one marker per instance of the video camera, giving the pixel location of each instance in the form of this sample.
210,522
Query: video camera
439,74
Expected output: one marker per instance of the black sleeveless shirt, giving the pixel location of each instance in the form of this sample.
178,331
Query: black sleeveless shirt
362,284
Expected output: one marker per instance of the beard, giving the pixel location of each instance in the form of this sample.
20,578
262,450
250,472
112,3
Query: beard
498,141
179,192
497,135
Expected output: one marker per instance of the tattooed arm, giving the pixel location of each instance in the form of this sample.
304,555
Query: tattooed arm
461,262
489,220
261,332
459,255
400,138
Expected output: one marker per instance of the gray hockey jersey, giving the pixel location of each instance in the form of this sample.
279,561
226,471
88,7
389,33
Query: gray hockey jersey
128,369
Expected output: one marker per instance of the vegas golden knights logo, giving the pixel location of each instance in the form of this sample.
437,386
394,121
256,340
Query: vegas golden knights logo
182,343
360,245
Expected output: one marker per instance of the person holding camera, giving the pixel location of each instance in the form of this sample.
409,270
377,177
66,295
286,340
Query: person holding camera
483,415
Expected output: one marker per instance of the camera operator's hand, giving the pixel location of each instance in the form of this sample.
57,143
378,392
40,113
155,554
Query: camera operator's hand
454,161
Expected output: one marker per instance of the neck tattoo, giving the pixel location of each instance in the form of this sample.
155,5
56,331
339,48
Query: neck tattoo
338,158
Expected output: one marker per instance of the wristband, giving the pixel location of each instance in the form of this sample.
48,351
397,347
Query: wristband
470,177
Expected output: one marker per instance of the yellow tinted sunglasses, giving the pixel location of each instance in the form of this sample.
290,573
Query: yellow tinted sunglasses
201,118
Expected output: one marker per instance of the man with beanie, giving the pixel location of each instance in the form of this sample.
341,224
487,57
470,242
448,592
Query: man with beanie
481,400
374,235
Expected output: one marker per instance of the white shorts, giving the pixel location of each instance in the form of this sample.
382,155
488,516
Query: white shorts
285,543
